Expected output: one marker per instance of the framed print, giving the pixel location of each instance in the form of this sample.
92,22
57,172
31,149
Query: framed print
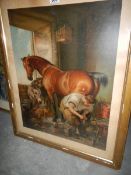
68,68
3,86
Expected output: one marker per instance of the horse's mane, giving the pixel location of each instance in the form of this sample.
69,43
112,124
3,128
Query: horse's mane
39,58
39,63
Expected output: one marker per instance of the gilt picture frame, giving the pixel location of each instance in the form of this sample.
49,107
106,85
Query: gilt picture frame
3,85
68,70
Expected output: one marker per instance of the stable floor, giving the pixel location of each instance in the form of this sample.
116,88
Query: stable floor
22,157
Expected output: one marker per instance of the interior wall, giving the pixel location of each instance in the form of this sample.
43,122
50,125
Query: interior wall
101,40
94,45
68,52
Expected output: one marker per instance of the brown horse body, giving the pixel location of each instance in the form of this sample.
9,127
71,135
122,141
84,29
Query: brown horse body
58,81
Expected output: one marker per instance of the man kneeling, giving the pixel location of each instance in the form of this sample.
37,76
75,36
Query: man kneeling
75,108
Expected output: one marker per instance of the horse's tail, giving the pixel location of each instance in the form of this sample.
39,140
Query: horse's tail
99,77
96,88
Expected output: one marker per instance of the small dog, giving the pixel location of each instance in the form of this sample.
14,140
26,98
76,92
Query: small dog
41,113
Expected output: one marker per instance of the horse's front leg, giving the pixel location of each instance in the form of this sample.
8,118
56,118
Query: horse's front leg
54,102
58,114
53,99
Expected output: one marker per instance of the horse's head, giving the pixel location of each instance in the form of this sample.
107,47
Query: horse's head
29,69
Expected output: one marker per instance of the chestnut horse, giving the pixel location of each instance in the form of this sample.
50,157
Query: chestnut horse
59,82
